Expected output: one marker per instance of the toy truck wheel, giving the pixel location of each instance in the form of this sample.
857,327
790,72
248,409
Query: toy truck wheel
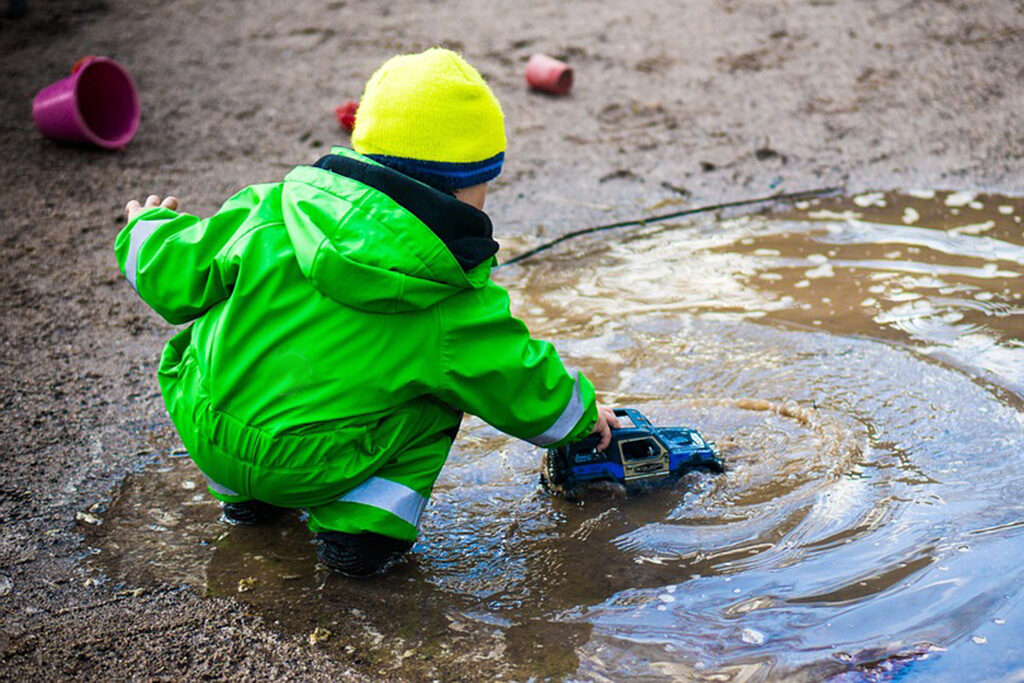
553,474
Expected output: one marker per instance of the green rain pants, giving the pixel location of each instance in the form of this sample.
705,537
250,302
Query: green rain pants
373,477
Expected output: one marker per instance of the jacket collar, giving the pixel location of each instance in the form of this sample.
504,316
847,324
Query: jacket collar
464,229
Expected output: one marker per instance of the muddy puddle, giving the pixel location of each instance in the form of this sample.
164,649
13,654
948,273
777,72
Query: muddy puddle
860,362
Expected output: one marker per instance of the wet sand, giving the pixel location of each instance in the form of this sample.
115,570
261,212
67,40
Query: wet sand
713,101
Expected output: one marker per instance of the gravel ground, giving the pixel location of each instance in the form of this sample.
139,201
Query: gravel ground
674,104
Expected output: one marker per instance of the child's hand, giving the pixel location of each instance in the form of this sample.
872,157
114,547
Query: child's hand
606,421
133,208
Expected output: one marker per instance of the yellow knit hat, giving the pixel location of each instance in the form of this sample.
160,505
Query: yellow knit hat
431,115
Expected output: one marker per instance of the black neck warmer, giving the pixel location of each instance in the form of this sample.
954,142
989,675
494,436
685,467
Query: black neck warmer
464,229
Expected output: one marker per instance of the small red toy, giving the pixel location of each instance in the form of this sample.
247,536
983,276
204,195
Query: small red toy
346,115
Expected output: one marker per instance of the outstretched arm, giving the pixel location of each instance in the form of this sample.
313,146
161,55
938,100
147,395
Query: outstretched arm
175,261
493,369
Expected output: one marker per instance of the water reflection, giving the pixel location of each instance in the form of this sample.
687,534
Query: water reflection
851,357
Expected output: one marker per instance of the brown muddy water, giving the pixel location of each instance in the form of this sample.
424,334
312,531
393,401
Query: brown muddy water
860,363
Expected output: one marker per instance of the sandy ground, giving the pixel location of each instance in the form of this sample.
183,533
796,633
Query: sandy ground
675,103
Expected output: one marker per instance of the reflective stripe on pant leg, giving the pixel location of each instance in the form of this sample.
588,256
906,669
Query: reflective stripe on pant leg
218,488
392,501
398,499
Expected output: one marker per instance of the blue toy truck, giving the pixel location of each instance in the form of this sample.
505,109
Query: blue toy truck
641,454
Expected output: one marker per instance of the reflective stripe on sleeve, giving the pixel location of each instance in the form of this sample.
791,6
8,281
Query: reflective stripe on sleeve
140,233
566,421
222,490
398,499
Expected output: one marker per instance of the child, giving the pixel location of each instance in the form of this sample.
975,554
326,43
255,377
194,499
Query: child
343,319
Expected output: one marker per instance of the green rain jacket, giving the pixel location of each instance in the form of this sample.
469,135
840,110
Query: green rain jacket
325,304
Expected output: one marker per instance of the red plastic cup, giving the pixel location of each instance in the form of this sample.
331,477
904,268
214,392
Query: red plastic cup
96,104
549,75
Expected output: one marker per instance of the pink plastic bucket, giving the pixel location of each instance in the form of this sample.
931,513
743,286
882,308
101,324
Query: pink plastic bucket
96,104
549,74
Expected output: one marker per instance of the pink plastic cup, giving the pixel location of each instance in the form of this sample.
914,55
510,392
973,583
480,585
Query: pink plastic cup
549,74
96,104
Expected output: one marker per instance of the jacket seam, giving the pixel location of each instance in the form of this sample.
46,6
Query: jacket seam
326,239
227,250
205,395
314,264
442,347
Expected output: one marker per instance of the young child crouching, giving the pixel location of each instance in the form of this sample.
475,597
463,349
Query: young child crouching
341,321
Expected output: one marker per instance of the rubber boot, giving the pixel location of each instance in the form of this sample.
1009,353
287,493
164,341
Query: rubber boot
359,555
251,513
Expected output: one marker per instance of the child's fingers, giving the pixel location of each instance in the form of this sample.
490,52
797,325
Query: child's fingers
609,416
152,201
606,437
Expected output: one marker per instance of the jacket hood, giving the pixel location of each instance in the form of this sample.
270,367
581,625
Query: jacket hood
372,238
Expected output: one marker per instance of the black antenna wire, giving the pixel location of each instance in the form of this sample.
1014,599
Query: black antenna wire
788,196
